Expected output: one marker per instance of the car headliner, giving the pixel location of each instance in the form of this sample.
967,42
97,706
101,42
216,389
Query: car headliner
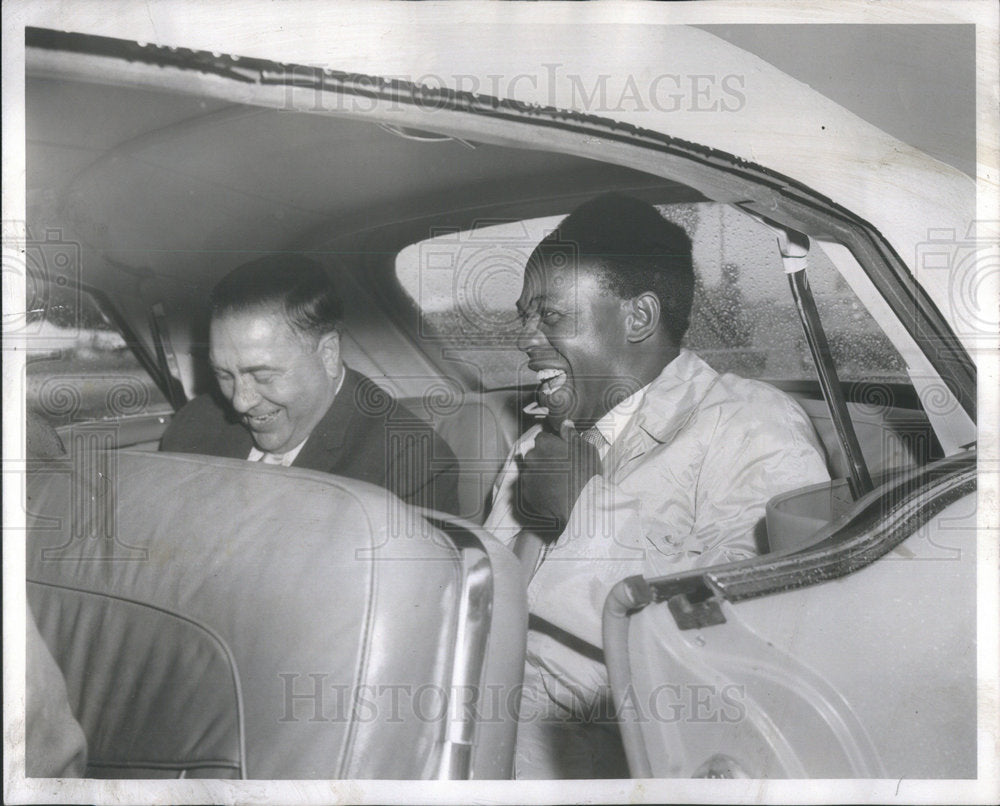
784,125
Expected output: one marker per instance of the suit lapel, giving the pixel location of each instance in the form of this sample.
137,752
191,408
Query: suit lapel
325,443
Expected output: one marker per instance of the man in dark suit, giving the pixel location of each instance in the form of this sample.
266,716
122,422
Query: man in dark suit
286,397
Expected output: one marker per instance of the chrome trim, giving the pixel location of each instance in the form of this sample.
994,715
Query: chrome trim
474,620
875,525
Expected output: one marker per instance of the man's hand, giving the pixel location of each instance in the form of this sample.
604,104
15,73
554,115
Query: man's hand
550,478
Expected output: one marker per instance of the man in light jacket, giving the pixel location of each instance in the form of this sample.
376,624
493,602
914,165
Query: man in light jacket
647,460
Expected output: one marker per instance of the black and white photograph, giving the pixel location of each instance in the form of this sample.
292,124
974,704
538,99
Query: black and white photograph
501,402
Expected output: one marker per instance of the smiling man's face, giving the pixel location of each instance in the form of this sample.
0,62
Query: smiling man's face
279,381
573,331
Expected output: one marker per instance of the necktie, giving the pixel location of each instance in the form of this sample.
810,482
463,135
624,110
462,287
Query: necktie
594,437
272,458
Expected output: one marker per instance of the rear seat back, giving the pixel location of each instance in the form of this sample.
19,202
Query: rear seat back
890,438
479,429
217,618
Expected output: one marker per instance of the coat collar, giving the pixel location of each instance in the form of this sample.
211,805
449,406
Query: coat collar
327,438
670,401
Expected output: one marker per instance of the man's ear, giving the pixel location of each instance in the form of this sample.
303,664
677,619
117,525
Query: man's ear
643,317
329,350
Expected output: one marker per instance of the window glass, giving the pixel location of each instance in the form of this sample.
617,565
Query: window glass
464,285
79,368
744,318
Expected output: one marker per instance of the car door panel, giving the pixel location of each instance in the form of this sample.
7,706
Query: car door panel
869,675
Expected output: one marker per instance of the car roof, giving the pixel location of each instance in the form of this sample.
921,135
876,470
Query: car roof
770,120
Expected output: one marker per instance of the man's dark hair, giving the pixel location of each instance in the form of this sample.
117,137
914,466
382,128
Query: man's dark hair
297,285
637,250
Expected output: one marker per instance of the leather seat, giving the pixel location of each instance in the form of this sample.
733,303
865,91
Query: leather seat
890,438
217,618
479,429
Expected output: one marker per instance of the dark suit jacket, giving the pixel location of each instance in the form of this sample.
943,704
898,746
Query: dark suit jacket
364,435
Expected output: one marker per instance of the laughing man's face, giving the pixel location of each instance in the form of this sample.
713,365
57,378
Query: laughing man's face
279,381
573,332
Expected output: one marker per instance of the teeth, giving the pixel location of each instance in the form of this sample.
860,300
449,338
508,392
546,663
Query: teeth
550,380
556,383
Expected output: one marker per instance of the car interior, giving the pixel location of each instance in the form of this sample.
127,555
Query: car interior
205,622
375,191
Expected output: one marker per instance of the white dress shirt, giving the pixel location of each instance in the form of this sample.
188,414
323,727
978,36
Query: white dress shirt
613,424
283,459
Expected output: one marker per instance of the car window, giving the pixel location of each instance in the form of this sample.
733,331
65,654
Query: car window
464,285
744,318
79,368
